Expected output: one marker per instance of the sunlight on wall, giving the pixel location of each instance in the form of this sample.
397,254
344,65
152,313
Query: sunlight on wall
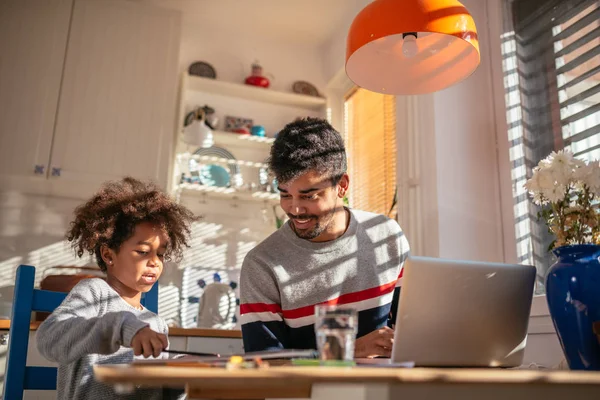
32,229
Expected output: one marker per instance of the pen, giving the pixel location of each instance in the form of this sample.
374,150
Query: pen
191,353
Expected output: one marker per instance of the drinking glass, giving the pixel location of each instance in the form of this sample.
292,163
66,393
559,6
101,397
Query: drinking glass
336,328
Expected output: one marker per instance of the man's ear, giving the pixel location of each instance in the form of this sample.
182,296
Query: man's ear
343,185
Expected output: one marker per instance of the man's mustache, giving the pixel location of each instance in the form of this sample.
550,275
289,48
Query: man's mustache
303,216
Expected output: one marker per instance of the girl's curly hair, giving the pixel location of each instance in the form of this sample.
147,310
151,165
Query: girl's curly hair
111,215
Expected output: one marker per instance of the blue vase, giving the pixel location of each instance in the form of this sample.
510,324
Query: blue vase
573,295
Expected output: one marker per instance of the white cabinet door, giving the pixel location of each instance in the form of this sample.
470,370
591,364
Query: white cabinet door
33,40
116,114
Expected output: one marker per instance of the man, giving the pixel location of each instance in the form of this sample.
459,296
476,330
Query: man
325,253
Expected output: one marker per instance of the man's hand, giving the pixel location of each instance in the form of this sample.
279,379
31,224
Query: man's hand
376,343
148,343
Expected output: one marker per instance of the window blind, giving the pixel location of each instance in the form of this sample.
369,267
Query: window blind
370,136
552,90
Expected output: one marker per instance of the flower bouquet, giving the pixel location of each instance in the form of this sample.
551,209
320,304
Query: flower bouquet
568,190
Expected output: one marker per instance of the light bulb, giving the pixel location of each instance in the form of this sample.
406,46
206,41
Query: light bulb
410,47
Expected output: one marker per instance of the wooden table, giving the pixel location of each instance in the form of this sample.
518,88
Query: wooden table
360,382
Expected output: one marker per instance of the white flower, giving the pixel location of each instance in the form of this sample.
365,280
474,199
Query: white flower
555,194
580,175
532,185
588,175
562,165
593,178
546,179
560,174
562,158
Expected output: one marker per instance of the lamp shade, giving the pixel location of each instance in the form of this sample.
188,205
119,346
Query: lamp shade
411,46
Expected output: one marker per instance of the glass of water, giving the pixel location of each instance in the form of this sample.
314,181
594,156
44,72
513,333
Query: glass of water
336,328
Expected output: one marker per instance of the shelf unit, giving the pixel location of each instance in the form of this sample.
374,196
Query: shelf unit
252,147
249,92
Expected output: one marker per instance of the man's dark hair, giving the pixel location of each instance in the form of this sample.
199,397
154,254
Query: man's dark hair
308,144
111,215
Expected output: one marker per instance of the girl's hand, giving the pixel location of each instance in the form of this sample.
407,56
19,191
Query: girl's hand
148,343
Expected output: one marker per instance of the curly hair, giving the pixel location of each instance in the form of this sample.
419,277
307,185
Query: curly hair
308,144
111,215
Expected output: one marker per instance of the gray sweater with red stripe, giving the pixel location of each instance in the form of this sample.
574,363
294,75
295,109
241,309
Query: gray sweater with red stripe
284,277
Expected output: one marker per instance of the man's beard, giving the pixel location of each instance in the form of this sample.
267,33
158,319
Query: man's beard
321,225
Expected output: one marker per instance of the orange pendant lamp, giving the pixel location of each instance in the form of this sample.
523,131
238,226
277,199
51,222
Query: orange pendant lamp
406,47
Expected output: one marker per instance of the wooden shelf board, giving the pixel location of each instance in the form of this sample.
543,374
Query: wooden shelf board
195,190
201,84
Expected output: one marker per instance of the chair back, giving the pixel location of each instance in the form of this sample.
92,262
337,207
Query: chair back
19,376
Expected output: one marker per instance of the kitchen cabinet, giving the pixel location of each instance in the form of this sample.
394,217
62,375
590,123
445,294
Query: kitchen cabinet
104,109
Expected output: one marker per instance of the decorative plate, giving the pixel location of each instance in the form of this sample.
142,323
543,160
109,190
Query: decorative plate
202,68
214,175
305,88
214,151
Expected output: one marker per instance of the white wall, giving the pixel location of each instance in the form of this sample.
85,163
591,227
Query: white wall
447,157
469,208
32,231
232,51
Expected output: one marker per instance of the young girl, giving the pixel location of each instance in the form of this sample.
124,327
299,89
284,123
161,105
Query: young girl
132,228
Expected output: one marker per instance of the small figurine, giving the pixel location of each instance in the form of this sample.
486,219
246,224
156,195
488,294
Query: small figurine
257,78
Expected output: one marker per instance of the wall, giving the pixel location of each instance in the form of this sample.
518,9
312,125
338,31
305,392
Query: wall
448,161
469,208
32,229
232,51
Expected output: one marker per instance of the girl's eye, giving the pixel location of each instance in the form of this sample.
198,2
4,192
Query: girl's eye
161,255
141,252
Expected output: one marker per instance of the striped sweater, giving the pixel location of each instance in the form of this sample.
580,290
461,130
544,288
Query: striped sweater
284,277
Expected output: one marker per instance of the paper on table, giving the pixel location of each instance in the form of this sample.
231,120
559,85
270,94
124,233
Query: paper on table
264,355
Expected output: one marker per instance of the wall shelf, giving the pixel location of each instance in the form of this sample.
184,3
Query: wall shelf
219,160
223,138
198,83
196,190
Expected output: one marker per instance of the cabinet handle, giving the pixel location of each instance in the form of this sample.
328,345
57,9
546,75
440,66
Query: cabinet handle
56,171
39,169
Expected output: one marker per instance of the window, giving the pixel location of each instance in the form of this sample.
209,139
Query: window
370,136
551,68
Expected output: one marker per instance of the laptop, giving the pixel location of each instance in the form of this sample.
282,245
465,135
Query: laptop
463,313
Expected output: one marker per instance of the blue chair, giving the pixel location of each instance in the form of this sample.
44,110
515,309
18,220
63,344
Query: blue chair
19,376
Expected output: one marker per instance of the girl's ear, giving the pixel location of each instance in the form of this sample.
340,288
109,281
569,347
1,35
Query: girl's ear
107,255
